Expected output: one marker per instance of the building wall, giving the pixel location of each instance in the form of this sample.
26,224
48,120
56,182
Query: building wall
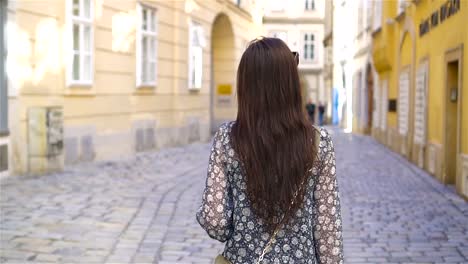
399,47
328,60
112,117
5,137
344,32
362,64
292,18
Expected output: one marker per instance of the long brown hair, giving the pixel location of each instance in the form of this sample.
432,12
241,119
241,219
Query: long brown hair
272,135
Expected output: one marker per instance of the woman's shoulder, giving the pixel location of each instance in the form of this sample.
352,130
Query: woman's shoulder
222,134
322,133
227,125
225,128
324,141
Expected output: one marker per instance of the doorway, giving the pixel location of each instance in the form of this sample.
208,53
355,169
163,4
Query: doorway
370,99
452,116
3,79
223,73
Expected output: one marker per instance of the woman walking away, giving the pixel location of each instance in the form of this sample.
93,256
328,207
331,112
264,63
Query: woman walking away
271,191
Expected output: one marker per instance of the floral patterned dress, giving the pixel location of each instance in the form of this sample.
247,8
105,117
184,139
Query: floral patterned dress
314,236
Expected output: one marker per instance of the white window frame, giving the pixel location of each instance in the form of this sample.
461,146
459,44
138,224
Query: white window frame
369,9
281,34
384,105
403,101
360,16
377,19
151,34
420,103
310,5
401,6
82,21
195,67
309,42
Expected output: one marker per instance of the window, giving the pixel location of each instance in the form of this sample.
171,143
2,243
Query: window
401,6
3,81
309,5
384,105
403,102
81,68
360,16
309,47
146,46
377,14
420,108
283,35
197,42
369,13
376,103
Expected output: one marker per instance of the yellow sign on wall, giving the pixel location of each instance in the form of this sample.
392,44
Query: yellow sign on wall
224,89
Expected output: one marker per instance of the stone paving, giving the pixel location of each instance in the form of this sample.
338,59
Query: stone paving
141,210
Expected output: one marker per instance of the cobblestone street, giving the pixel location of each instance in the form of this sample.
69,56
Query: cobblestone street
142,210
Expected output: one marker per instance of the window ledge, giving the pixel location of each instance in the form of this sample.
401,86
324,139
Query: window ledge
194,90
5,133
400,16
150,85
376,31
82,90
80,84
145,90
359,35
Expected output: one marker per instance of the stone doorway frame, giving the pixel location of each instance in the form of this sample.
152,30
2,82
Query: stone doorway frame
453,55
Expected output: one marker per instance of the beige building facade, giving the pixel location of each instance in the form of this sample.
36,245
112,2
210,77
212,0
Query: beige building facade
90,80
4,134
300,23
328,59
365,76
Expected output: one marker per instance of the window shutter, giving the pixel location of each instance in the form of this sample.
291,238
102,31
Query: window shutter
403,107
384,105
420,104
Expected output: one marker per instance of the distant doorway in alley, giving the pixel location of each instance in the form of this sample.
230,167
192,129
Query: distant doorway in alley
223,73
3,91
3,79
370,98
452,115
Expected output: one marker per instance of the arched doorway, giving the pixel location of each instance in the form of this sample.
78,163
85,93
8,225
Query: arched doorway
223,72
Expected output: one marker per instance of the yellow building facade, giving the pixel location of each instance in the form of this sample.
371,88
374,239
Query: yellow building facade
99,79
419,52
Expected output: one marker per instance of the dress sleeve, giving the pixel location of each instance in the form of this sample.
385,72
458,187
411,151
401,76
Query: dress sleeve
327,210
215,212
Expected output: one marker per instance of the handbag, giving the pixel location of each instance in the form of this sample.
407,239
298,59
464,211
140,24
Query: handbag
220,259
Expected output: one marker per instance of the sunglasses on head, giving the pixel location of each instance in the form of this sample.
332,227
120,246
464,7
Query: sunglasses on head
296,56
